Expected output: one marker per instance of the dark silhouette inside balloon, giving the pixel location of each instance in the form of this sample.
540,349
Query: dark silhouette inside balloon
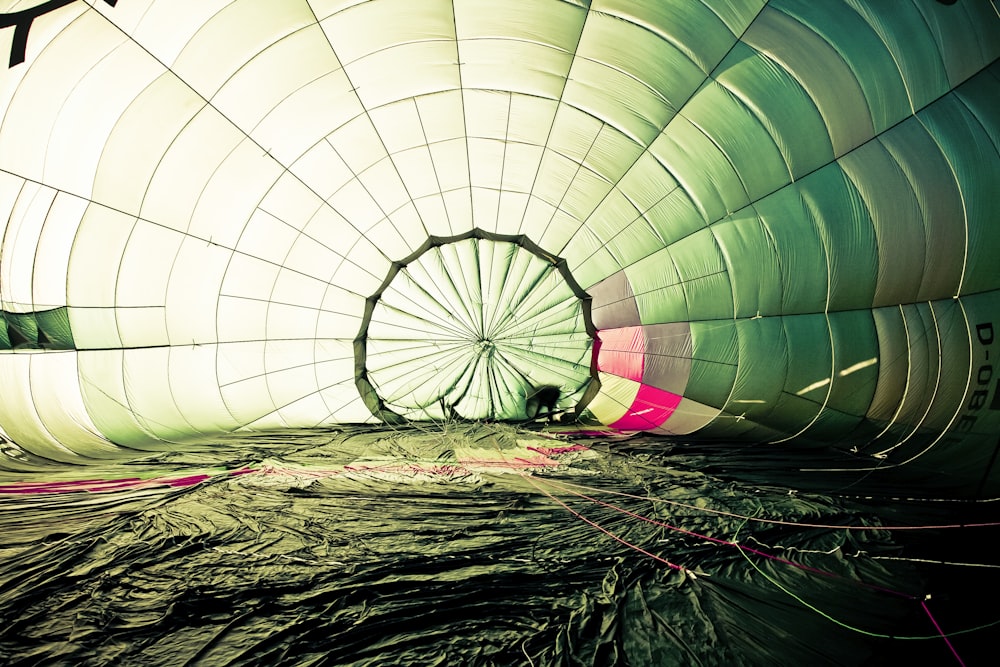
541,402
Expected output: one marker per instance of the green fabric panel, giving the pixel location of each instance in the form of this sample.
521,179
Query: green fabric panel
896,219
702,271
740,135
973,157
800,252
761,369
823,73
22,329
659,295
675,216
864,52
809,356
966,35
855,353
924,361
939,202
54,324
841,217
714,359
4,338
892,347
781,105
700,168
753,263
957,324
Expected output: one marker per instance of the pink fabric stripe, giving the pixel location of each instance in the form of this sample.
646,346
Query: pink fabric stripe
622,352
651,408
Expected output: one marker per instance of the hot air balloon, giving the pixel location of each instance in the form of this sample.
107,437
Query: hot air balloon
770,221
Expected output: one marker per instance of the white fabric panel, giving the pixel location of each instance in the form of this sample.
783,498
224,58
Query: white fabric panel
434,215
417,171
232,193
19,415
272,75
398,125
451,164
193,291
194,388
358,144
19,244
236,362
268,238
391,239
249,278
382,181
151,400
294,288
356,204
486,114
139,139
88,115
531,119
291,322
375,26
521,164
142,326
614,399
404,71
485,162
145,265
96,257
442,116
102,380
232,37
57,65
185,168
163,28
48,283
555,24
488,66
321,170
241,319
248,399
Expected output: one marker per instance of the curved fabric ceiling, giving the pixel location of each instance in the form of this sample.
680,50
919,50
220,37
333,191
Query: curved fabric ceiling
782,216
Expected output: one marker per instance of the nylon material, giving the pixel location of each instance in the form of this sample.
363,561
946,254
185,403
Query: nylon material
403,71
54,325
240,319
291,321
714,358
698,256
798,251
459,207
622,352
186,168
75,42
617,99
342,323
289,385
940,204
451,165
330,237
896,219
613,214
922,365
192,296
781,105
762,368
20,240
645,183
973,157
754,264
691,28
150,397
651,408
139,140
163,29
955,332
319,169
667,372
521,164
663,68
434,215
442,116
675,216
613,304
355,203
485,162
612,402
865,53
76,141
239,361
688,417
980,95
417,171
856,358
558,231
968,36
145,265
194,387
405,224
893,366
611,152
821,72
839,214
248,400
809,357
487,114
102,381
511,208
249,277
301,282
366,28
55,242
669,305
142,326
485,203
633,242
398,126
585,194
383,182
94,327
573,133
522,20
700,168
981,311
19,416
274,74
231,38
357,143
741,137
899,28
96,255
652,273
